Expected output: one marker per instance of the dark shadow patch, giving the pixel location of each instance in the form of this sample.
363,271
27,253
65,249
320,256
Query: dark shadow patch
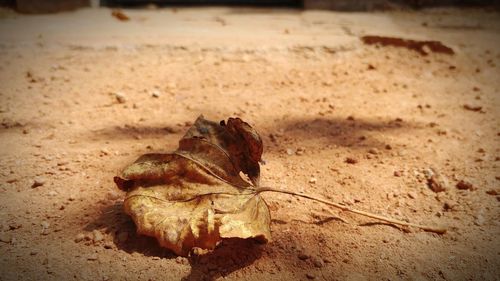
350,132
229,256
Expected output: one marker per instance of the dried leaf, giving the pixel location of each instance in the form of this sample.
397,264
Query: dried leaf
195,196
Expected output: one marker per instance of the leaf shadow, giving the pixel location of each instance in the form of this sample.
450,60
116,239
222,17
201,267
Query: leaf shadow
230,255
349,132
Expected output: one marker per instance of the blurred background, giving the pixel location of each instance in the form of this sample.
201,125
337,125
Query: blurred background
52,6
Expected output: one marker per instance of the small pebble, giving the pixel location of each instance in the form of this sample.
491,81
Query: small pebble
350,160
310,276
397,173
412,195
79,237
373,151
155,94
388,147
120,98
97,236
303,256
45,224
472,107
6,238
479,220
492,192
447,206
14,225
318,262
313,180
438,183
108,245
465,185
428,173
92,257
38,182
289,151
12,180
45,227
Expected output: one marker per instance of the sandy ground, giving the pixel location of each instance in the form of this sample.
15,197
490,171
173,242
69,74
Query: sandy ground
316,94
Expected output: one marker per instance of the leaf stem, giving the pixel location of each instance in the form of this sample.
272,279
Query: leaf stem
352,210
